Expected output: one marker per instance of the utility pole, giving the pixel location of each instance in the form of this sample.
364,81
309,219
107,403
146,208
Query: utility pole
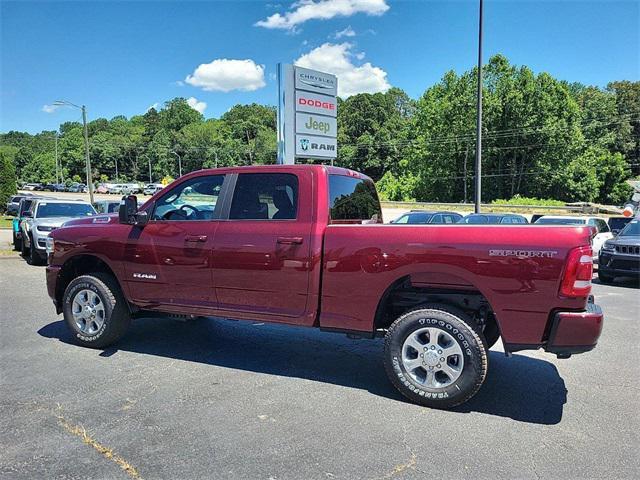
86,141
57,172
116,160
150,180
479,119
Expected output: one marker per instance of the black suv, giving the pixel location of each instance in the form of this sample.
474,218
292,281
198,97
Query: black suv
620,256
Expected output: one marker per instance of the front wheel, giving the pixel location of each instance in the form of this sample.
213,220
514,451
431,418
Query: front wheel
95,310
435,356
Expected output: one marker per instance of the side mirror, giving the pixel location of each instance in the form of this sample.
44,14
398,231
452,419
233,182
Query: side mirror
128,212
615,231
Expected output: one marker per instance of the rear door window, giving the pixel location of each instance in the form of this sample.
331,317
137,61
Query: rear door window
353,200
265,196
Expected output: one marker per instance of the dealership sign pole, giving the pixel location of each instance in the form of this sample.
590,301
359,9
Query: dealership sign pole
307,111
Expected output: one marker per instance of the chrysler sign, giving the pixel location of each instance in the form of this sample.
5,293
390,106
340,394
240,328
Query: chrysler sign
307,112
317,82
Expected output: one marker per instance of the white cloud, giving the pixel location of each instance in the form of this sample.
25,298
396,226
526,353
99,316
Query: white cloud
347,32
50,108
305,10
225,75
154,106
194,103
352,79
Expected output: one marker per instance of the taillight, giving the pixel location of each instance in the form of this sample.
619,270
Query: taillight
578,271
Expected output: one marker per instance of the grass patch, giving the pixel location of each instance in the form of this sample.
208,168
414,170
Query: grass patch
6,222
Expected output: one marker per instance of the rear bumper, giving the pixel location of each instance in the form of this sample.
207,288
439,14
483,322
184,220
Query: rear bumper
575,332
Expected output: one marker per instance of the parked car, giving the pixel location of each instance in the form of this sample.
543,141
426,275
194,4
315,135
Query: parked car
31,186
616,224
620,256
23,206
131,189
43,217
54,187
493,219
304,245
116,188
418,217
77,188
603,233
152,188
14,202
103,187
106,206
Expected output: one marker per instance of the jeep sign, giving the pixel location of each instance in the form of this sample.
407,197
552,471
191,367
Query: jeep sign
311,146
307,111
315,124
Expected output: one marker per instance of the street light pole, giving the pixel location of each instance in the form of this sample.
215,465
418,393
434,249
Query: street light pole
478,195
86,149
179,163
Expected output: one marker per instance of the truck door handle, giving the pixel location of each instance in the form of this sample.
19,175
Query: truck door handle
195,238
290,240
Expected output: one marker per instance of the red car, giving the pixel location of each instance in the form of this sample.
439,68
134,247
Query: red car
305,245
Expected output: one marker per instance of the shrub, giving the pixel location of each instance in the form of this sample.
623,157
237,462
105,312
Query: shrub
8,186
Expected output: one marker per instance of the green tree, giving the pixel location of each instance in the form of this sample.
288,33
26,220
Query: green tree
8,185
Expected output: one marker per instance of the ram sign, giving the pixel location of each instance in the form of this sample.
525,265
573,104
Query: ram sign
307,111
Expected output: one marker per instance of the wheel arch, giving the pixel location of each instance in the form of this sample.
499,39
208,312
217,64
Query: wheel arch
407,293
82,264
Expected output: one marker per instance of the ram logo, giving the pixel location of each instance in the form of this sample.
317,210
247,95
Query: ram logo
146,276
304,144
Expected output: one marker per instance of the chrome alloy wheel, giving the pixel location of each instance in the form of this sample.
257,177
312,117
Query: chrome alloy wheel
432,357
88,312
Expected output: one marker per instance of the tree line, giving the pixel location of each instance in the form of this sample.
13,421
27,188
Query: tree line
542,137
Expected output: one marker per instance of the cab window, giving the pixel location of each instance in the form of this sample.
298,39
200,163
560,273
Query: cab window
195,199
353,200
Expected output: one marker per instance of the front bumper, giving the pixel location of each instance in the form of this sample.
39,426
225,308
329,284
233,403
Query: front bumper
575,332
53,274
612,264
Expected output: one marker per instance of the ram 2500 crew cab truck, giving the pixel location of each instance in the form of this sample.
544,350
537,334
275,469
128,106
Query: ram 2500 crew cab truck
305,245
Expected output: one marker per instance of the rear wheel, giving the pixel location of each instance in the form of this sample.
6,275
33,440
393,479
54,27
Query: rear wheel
17,243
95,310
436,356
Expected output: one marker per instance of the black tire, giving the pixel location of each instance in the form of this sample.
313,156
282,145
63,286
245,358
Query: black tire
117,318
604,278
24,251
470,340
17,243
34,257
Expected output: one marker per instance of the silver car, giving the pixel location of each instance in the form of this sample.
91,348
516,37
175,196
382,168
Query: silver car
44,216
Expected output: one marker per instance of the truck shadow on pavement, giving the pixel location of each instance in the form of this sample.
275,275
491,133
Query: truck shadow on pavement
522,388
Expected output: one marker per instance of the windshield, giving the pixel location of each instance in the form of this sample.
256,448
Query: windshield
560,221
46,210
632,229
480,219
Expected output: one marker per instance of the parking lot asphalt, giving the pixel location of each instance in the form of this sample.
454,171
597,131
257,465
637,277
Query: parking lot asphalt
212,398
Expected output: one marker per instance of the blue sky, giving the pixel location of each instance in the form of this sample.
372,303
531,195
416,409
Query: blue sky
122,57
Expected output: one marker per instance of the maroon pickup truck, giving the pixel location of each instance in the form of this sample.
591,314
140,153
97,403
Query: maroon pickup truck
305,245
